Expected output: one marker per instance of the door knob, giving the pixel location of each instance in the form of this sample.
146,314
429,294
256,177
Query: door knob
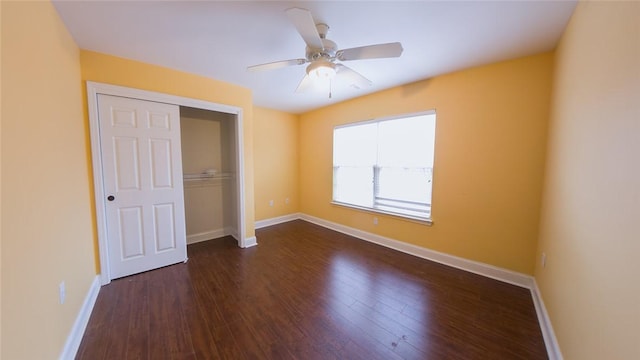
111,197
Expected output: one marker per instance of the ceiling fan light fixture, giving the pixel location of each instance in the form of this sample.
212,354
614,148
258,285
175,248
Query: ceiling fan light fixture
321,69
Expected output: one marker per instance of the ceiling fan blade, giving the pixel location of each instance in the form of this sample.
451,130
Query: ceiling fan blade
352,77
305,85
370,52
303,21
276,65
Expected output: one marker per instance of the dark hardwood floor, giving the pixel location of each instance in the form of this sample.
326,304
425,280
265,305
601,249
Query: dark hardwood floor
306,292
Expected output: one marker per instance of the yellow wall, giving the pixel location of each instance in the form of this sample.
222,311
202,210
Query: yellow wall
276,163
47,234
591,203
118,71
490,140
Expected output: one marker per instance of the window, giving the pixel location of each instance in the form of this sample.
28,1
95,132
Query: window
386,165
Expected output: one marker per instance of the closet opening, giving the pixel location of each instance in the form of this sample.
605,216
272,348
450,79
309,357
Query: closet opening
209,165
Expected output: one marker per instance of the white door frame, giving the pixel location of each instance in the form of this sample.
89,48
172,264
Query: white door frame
93,89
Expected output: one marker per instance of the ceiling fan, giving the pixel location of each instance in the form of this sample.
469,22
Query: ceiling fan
323,55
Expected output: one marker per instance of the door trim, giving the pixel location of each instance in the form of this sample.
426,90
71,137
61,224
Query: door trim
95,88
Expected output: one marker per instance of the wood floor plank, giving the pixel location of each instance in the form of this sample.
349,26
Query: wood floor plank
138,323
94,340
169,336
226,344
307,292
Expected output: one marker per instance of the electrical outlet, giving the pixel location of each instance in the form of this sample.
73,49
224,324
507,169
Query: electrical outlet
375,221
62,292
544,259
286,201
270,202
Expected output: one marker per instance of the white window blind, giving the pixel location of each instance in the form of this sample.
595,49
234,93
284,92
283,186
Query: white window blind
386,165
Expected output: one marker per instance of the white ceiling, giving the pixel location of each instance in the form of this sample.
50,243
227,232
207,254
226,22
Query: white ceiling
219,39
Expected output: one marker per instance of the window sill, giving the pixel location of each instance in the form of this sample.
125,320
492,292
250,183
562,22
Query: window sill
414,219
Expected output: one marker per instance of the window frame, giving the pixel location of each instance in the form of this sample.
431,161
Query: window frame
373,209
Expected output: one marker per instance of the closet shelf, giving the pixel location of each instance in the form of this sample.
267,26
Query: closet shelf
205,177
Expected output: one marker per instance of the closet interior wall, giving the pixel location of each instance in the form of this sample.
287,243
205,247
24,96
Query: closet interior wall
209,168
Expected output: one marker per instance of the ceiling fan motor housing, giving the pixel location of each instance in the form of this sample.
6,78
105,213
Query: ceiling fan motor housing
329,51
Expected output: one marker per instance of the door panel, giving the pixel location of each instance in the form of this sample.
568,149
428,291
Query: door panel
163,216
142,170
131,237
161,164
127,168
159,121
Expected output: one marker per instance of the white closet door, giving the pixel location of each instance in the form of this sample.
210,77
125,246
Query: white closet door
142,167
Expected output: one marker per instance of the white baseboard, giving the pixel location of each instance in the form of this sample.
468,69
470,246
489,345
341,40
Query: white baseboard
77,331
231,232
207,235
550,340
276,220
490,271
475,267
249,242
